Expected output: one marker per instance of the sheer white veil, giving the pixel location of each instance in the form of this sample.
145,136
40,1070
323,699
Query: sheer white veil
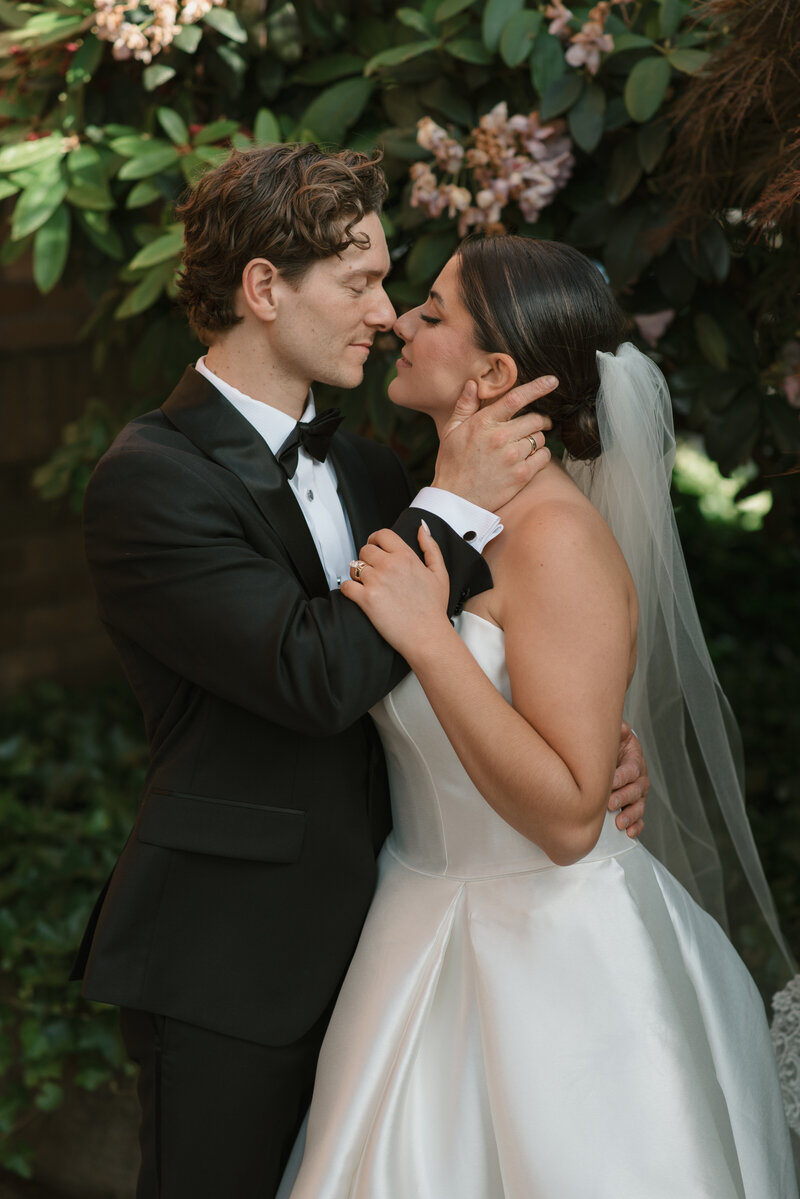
696,822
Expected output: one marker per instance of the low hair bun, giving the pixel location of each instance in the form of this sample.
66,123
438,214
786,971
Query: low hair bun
579,432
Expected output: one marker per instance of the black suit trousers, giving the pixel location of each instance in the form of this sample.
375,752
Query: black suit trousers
219,1114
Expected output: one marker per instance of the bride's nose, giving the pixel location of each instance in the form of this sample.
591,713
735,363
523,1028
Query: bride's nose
404,326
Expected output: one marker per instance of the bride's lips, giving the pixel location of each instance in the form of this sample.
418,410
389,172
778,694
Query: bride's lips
403,363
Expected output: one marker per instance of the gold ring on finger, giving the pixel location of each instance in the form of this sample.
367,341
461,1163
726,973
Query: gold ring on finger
356,567
534,446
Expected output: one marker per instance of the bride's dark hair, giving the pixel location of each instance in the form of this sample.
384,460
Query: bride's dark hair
548,306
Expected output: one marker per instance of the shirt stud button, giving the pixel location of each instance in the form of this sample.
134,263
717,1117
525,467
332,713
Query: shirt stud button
309,494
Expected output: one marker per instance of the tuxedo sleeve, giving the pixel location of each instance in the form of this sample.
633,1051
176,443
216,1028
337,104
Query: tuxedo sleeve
175,574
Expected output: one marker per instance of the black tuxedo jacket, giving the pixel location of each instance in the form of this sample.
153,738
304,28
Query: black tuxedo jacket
239,896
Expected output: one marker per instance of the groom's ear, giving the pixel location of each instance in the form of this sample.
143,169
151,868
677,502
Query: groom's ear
260,282
498,376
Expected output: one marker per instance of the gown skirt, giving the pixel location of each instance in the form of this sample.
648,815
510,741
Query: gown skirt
513,1029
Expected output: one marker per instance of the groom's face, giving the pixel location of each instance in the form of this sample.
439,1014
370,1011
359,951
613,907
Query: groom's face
328,322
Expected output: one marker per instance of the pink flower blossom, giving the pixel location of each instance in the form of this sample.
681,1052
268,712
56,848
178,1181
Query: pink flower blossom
653,325
592,40
142,40
560,17
512,159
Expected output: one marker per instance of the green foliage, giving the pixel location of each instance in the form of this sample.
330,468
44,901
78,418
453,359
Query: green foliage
94,153
746,592
70,771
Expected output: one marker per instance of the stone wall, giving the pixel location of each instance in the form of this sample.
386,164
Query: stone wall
48,625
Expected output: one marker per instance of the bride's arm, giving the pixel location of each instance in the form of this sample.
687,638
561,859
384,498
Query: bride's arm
545,764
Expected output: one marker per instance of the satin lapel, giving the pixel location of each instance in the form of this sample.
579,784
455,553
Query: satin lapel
212,424
355,489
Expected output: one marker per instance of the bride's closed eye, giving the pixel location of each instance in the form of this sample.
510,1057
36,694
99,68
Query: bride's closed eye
429,320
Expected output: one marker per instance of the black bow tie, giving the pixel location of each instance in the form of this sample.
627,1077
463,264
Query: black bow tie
314,436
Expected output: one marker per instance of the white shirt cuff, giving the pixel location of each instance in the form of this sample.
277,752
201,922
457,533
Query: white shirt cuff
474,524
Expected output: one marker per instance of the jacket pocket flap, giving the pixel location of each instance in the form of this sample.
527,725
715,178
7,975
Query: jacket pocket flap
222,828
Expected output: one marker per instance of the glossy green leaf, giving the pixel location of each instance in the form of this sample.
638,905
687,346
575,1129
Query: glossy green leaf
651,142
211,155
29,153
711,340
587,116
334,110
160,157
142,194
414,19
329,68
547,62
225,22
145,294
85,163
156,76
496,16
714,250
624,172
160,250
444,96
35,206
85,61
89,195
50,249
626,253
132,145
450,8
13,15
429,254
217,131
688,61
560,96
7,188
646,87
518,36
671,16
50,1097
96,227
266,129
188,38
469,49
399,54
233,60
630,41
173,125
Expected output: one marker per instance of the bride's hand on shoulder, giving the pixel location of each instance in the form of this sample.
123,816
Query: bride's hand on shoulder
405,598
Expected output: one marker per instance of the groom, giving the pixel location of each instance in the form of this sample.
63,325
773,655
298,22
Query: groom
217,531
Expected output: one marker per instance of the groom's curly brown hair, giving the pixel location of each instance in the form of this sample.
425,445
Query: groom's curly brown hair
292,204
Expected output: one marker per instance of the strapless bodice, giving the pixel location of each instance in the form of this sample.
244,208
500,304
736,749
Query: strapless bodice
442,824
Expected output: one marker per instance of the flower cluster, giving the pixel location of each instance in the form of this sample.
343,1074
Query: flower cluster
511,159
141,28
590,41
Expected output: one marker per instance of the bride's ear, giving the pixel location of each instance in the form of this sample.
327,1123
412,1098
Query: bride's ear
498,376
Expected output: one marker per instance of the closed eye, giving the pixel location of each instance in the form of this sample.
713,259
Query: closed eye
429,320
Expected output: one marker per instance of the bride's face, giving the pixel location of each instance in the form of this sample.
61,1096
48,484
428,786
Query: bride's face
439,353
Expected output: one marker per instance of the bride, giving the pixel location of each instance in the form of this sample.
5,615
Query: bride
537,1009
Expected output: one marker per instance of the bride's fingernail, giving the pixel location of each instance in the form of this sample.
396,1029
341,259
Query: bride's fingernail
425,526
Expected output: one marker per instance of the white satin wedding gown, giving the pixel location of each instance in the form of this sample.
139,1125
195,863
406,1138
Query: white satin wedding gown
511,1029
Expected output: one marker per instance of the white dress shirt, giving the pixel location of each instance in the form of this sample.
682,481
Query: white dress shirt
316,488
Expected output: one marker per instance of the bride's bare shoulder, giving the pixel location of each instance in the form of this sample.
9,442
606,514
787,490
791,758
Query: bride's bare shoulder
552,523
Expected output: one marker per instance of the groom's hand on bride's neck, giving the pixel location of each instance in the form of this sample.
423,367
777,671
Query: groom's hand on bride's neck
486,456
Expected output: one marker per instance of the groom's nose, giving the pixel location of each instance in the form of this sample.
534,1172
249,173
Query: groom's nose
382,315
